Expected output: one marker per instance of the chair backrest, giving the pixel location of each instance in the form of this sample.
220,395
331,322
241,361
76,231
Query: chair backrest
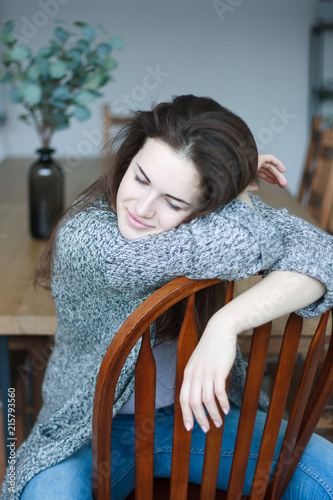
109,121
310,401
321,195
316,192
310,162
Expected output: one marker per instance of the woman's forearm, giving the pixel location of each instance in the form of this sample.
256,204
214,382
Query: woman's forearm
279,293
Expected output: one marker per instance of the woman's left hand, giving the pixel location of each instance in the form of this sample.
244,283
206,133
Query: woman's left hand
271,170
205,376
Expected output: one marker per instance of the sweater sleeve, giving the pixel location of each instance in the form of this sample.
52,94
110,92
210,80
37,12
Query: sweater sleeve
235,243
307,250
232,243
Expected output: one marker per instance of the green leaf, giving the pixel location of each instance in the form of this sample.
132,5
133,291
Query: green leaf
2,74
20,53
74,59
43,65
59,104
97,94
74,53
103,49
63,125
8,78
102,29
32,94
7,39
61,34
20,77
81,113
45,52
89,33
57,69
80,24
55,47
83,44
8,27
6,57
116,42
15,96
109,63
94,82
84,97
25,119
61,93
34,72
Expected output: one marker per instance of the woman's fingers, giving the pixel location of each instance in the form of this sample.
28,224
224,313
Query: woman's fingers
271,170
198,395
271,174
205,375
271,160
184,399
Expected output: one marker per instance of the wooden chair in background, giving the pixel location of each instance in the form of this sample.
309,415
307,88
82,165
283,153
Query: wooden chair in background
310,400
310,162
316,192
110,121
321,195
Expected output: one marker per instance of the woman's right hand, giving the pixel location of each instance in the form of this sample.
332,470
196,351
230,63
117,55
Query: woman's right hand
205,376
271,170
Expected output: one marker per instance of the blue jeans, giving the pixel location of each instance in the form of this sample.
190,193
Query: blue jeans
72,478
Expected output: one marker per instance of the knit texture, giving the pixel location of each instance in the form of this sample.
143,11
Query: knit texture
99,279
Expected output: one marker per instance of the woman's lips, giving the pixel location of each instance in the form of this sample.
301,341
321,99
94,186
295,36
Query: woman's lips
133,221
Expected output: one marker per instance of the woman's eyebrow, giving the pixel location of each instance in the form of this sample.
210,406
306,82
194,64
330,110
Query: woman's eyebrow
168,195
145,176
177,199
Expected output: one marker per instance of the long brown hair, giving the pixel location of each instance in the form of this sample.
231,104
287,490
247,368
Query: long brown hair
218,142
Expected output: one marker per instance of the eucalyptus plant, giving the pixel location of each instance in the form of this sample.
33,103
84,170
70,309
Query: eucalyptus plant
61,79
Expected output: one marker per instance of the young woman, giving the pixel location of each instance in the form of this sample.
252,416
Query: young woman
173,201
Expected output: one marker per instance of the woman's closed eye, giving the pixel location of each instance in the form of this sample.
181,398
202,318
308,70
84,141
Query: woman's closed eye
171,205
140,180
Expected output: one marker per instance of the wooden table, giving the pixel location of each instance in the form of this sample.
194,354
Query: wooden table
24,311
26,314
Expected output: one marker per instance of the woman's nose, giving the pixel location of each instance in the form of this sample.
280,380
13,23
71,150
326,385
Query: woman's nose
145,207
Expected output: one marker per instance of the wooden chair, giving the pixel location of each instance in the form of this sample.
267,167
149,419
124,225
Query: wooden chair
309,403
310,162
110,121
321,195
316,191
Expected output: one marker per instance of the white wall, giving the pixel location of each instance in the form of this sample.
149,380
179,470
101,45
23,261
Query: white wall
250,55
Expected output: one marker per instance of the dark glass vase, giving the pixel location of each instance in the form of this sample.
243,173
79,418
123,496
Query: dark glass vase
46,194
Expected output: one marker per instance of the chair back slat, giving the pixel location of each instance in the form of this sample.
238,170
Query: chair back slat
281,385
145,376
211,459
253,383
298,408
214,439
229,295
187,341
316,403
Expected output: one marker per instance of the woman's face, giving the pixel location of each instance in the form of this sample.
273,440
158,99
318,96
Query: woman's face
158,192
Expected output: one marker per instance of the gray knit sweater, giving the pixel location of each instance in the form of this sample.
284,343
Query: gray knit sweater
99,278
